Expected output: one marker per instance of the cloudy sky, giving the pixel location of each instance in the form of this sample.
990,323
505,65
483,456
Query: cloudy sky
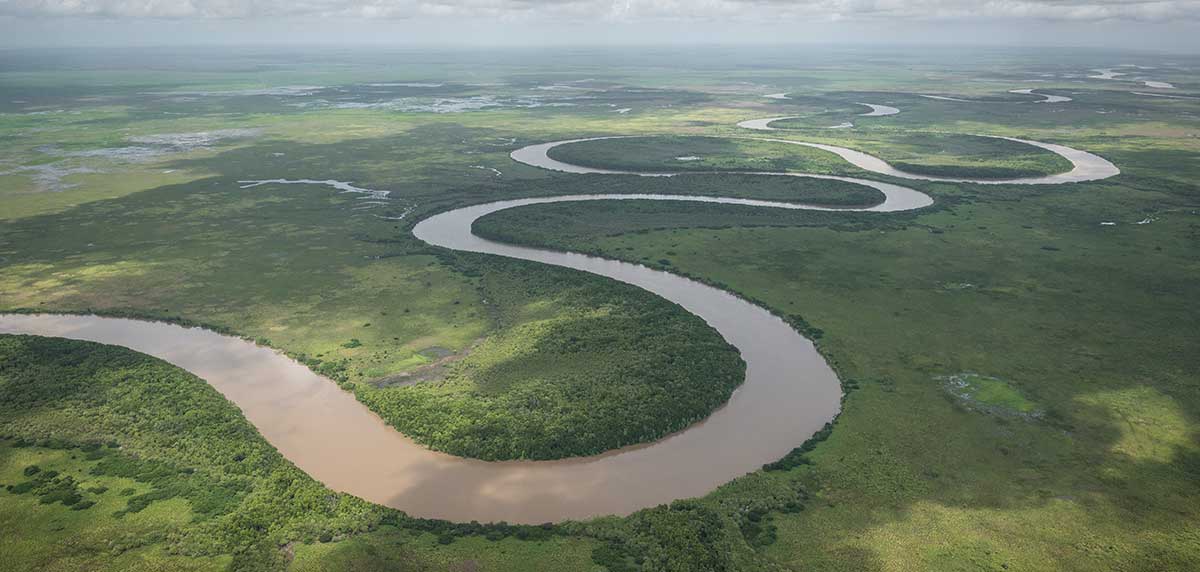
1150,24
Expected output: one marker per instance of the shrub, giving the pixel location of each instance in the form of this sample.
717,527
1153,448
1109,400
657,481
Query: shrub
83,505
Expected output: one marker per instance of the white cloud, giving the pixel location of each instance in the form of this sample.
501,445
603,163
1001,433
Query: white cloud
617,10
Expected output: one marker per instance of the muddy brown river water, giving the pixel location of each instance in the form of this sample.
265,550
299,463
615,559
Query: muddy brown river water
789,392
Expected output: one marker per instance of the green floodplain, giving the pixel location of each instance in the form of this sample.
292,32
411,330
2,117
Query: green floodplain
1020,362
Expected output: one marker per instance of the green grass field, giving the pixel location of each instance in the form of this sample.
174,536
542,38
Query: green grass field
1022,387
1039,308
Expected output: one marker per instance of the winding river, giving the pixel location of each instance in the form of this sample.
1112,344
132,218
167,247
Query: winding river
1045,97
789,391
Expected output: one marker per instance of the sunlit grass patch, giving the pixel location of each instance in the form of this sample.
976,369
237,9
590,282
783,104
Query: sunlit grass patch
1151,425
90,525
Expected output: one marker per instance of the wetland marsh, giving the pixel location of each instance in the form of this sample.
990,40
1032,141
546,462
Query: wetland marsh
614,301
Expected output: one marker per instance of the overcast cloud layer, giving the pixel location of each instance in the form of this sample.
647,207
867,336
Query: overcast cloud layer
835,10
1169,24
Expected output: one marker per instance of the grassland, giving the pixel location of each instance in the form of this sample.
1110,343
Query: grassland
1074,450
1023,286
562,376
933,154
301,285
